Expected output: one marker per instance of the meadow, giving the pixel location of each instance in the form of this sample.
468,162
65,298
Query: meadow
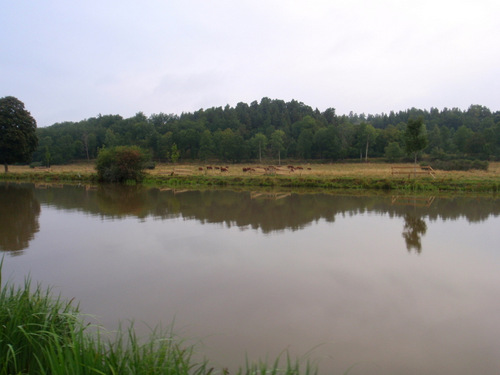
372,175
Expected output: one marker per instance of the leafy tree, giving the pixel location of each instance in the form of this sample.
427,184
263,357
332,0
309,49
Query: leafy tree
461,137
164,145
188,142
437,153
434,136
174,154
206,145
110,140
305,143
393,151
330,116
347,136
259,142
121,164
92,144
277,143
18,139
164,123
366,135
415,137
230,145
307,123
327,142
492,135
48,157
476,145
447,135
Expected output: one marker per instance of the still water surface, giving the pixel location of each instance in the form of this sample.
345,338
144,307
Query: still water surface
386,284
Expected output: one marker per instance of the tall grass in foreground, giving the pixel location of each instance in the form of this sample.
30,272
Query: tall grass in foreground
40,334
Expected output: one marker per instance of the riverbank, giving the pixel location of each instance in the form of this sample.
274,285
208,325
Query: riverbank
350,176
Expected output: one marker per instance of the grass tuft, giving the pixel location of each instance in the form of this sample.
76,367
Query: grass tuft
40,334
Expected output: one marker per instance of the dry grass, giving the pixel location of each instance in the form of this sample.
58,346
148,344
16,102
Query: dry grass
370,170
83,168
373,170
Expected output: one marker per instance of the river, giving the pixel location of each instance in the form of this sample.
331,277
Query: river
374,283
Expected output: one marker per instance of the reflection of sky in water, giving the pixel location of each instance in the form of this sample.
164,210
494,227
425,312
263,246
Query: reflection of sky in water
350,285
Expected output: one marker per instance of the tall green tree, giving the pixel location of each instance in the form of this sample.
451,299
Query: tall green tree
327,143
277,143
366,135
461,137
304,144
174,154
259,143
230,145
18,139
393,151
207,147
415,137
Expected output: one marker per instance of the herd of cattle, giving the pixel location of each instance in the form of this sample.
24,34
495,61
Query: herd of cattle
268,169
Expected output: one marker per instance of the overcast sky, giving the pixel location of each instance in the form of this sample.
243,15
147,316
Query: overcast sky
71,60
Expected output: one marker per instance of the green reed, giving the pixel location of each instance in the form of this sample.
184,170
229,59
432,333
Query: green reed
40,334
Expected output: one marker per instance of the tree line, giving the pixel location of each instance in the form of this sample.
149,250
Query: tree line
274,129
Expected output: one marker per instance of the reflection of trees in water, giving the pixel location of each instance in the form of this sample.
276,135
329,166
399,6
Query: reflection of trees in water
20,208
122,201
19,212
235,208
413,231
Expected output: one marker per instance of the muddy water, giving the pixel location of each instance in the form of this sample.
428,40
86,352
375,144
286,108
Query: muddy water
384,284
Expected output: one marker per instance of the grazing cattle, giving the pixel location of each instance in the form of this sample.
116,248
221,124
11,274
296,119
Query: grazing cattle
308,169
299,168
223,169
200,168
216,167
209,167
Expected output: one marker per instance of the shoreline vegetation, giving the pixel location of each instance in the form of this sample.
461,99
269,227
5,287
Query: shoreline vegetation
334,176
43,334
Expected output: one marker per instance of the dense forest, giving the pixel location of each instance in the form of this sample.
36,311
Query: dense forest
274,129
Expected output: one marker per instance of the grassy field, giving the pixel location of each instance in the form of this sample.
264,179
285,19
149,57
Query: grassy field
333,170
334,175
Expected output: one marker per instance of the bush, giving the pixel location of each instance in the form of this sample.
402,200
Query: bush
150,165
36,164
459,165
121,164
